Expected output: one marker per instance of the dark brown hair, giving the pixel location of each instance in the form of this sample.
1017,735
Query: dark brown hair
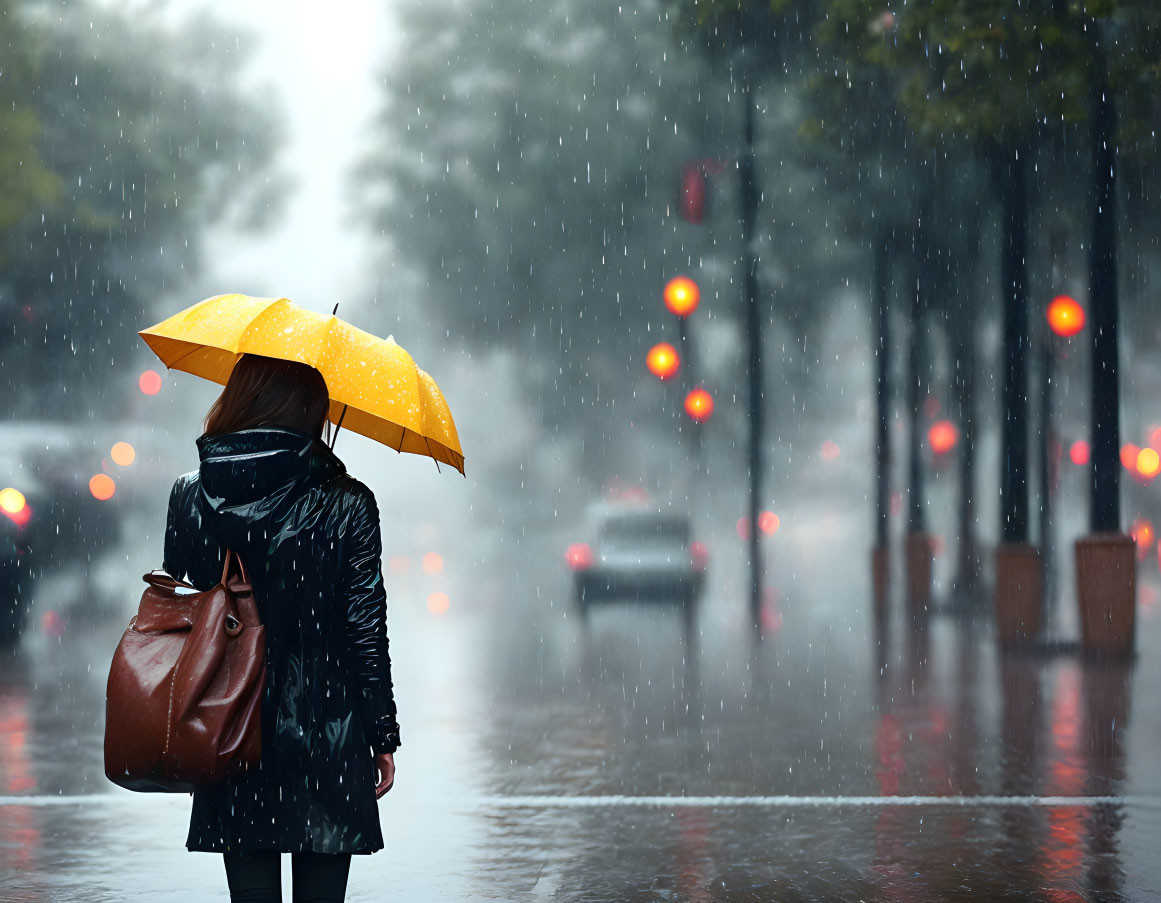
266,391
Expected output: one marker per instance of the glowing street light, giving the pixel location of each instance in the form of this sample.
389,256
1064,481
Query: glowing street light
682,296
1065,316
942,436
662,360
699,405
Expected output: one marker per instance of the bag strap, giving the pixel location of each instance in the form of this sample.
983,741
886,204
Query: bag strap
244,584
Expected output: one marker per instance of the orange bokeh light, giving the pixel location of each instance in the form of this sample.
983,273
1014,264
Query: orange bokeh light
830,451
1142,532
12,501
1065,316
149,382
662,360
1148,463
1129,454
123,454
438,603
768,523
699,404
432,563
1078,453
682,296
53,623
102,487
942,436
399,564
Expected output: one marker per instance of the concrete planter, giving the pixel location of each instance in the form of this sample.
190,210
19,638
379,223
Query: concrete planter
919,551
1106,591
1018,597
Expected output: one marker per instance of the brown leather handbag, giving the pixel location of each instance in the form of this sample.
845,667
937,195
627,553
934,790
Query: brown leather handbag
183,706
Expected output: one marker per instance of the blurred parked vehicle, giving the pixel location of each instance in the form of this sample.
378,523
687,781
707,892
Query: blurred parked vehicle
50,517
638,553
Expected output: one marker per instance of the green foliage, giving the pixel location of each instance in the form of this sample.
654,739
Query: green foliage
26,184
143,139
992,70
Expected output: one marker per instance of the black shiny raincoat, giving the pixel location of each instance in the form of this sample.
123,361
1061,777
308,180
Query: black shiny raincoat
309,536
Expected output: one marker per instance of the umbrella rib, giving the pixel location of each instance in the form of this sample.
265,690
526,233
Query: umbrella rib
433,457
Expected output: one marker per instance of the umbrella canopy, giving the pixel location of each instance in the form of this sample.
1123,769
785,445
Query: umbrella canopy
374,385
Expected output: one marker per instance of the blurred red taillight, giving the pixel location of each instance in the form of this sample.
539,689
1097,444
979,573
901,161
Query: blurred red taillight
579,556
698,556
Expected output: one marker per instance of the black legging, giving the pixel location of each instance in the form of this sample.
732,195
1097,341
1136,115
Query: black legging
316,877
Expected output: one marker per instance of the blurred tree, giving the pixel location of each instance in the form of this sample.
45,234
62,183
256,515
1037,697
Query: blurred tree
994,77
147,138
526,171
26,184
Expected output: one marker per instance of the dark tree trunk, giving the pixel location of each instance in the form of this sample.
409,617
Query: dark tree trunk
749,207
967,563
880,277
1012,169
916,510
1105,499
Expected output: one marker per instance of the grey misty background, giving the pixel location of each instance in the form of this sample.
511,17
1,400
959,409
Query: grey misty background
495,183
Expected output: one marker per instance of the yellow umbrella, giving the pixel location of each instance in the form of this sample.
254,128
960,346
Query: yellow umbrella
374,385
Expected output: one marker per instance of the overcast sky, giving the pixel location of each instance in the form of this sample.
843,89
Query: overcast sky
325,61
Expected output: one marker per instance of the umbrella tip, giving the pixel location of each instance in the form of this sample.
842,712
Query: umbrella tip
336,310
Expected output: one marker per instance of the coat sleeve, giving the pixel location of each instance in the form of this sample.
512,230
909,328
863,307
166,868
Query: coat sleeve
174,559
367,625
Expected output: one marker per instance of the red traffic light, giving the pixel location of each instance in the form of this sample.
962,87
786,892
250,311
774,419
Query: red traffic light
662,360
699,404
682,296
943,436
1065,316
693,193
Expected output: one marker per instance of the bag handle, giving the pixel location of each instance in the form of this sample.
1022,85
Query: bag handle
242,586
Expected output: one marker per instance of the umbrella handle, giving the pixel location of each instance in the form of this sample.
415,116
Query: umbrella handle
335,434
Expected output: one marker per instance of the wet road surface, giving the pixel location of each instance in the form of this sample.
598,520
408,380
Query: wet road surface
543,756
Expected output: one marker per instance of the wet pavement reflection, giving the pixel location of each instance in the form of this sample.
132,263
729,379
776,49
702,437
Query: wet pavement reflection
537,743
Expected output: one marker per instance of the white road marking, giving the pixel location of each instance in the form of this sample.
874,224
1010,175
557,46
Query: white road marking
800,802
667,802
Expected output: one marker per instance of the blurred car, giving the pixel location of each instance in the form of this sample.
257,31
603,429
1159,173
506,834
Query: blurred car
637,552
49,519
